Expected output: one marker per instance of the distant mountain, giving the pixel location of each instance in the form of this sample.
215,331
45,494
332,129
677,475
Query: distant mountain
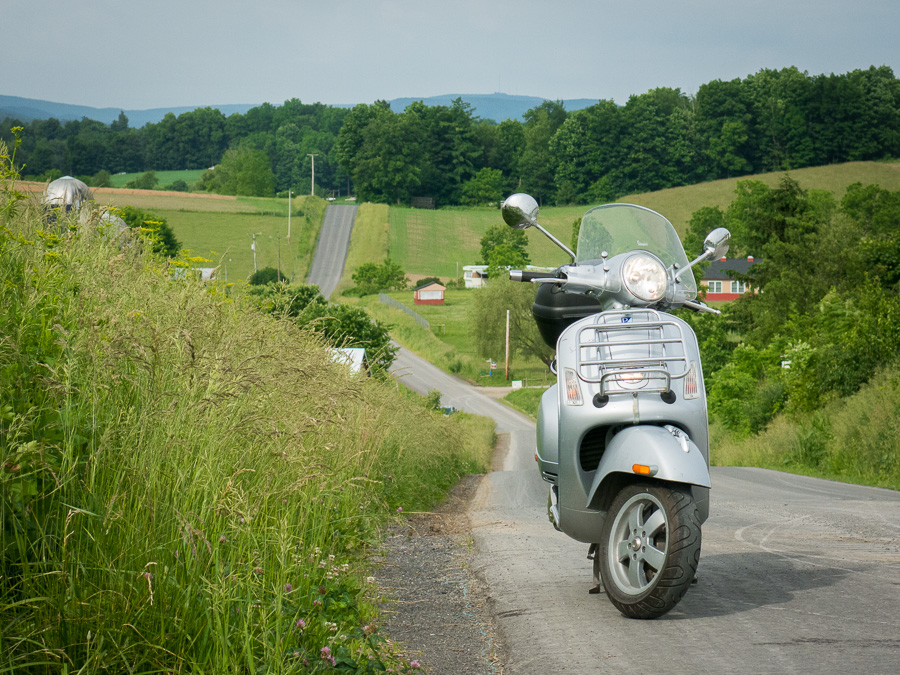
496,107
27,109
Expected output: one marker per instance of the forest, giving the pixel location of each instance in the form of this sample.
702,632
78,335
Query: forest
770,121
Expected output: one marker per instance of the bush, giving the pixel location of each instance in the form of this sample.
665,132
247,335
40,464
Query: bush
267,275
178,186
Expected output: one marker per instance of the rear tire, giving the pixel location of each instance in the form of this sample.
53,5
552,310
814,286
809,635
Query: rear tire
649,548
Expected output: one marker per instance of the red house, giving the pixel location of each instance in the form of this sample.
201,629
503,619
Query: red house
431,293
719,284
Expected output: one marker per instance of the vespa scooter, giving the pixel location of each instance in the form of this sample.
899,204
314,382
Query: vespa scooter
622,437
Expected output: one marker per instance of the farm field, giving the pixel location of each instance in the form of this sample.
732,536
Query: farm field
189,176
220,228
432,242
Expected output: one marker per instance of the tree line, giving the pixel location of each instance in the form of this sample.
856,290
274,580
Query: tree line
769,121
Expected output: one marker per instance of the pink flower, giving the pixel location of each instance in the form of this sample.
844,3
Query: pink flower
414,664
399,509
326,652
301,624
288,588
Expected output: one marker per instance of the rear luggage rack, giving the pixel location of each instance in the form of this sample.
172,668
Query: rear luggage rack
631,351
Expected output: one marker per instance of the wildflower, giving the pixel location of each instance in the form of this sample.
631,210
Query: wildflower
414,664
258,570
242,521
301,624
399,509
288,588
370,580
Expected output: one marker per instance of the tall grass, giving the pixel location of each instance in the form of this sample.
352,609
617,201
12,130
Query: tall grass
855,439
188,485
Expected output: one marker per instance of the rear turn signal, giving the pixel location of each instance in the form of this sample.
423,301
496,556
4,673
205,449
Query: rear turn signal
692,382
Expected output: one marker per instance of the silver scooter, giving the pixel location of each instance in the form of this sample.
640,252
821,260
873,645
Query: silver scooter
623,438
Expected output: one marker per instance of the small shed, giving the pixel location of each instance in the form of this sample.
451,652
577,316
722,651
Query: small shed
353,357
431,293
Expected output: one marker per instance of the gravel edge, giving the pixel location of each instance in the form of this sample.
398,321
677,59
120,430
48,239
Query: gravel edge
433,604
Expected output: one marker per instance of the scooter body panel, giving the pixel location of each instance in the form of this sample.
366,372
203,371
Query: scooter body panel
615,428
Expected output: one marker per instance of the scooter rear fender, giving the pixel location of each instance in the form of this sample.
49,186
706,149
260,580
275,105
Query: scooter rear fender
669,457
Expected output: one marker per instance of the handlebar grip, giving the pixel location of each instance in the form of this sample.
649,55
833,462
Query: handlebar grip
526,276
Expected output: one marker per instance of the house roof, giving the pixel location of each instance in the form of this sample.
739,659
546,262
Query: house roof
429,285
719,269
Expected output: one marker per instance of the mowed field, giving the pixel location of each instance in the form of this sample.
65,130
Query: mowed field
432,242
189,176
221,228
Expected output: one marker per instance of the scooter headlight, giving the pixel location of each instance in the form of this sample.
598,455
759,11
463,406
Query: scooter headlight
644,277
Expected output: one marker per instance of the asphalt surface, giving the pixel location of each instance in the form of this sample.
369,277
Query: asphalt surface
331,250
797,574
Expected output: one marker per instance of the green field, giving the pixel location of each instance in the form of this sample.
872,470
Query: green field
449,344
165,178
432,242
221,229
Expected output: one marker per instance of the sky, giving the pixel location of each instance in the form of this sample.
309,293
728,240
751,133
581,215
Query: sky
132,54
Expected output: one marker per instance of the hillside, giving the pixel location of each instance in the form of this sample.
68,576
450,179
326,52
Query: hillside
176,463
677,204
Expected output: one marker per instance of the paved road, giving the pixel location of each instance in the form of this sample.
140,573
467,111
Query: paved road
797,575
331,251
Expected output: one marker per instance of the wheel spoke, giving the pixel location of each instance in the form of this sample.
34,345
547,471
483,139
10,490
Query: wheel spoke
636,574
655,522
622,551
636,518
655,558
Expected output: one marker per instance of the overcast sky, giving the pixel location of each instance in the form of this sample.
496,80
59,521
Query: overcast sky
134,54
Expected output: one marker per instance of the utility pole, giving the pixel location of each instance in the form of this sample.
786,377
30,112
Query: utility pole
507,345
253,248
289,215
312,181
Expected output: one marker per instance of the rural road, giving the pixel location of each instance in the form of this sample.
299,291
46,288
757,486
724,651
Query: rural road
331,251
797,575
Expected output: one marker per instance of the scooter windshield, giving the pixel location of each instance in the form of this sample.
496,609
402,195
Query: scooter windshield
620,228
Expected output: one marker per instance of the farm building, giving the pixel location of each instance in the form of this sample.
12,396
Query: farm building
431,293
474,275
719,284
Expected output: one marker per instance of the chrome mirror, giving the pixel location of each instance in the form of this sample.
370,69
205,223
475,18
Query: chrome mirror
715,246
520,211
718,240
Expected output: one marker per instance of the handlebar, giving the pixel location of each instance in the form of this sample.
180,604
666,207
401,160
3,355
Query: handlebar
526,276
